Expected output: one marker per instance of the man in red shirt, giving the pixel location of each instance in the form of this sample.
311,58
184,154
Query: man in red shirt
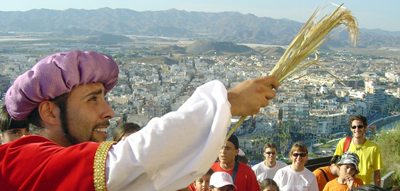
243,176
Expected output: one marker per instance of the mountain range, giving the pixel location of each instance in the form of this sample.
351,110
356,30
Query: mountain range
203,26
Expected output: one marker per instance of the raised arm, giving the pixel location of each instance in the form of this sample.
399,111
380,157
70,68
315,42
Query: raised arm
249,96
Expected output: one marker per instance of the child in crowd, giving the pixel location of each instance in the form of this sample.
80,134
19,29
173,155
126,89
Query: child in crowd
348,168
202,183
268,185
221,181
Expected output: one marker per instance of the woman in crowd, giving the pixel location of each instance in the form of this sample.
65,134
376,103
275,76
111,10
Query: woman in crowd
296,177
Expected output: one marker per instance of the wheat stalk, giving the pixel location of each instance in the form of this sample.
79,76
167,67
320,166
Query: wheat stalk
310,37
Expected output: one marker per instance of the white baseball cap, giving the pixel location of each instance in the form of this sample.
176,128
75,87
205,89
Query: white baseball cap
241,153
221,179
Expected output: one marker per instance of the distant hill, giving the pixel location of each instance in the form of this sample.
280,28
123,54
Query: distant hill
225,26
74,32
108,39
203,47
276,52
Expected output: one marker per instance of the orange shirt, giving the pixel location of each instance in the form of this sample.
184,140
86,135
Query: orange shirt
321,178
334,185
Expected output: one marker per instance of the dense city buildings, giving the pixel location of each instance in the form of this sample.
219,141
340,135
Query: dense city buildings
306,109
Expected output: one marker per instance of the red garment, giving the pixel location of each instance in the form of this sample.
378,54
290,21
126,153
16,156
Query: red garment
245,180
36,163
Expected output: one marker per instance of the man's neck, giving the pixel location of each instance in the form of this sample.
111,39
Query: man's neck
227,166
269,164
359,140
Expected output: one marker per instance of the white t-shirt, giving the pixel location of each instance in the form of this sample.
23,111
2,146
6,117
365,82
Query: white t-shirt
262,171
290,180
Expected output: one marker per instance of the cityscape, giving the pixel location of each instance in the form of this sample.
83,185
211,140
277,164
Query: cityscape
154,79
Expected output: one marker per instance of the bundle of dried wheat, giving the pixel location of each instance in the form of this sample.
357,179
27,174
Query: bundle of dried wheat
311,36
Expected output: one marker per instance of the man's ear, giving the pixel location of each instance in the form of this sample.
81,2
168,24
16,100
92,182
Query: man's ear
49,112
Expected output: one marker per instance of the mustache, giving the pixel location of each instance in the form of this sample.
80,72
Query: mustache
101,124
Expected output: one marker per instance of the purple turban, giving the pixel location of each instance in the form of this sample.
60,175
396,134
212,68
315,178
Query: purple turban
58,74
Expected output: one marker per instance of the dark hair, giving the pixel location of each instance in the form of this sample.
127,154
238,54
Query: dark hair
361,118
121,130
210,171
36,122
368,187
242,159
270,145
298,146
7,122
334,159
266,182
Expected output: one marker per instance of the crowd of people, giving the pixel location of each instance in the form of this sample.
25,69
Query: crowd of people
62,100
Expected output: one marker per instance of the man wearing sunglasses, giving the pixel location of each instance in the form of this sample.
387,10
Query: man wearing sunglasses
268,168
368,151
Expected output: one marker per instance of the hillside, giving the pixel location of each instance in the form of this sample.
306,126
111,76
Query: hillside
225,26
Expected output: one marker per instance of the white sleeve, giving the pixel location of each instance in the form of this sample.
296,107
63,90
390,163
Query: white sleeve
175,149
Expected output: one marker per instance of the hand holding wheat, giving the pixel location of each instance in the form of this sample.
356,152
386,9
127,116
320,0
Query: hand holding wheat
310,37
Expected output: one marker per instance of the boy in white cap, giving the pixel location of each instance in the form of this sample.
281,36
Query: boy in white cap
221,181
348,168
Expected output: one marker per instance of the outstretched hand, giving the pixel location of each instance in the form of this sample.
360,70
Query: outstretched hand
249,96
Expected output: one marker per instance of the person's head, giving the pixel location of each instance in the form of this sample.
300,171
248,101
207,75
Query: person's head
10,129
221,181
270,153
124,130
368,187
202,183
358,126
229,150
243,159
298,155
334,168
268,185
348,164
64,96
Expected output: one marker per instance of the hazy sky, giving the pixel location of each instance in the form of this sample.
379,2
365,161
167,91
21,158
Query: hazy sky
371,14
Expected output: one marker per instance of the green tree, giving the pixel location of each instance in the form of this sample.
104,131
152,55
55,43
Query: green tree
390,150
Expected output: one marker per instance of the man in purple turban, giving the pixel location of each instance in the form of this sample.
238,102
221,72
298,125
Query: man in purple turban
64,96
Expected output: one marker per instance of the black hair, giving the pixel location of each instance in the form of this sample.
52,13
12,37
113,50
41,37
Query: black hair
7,122
121,130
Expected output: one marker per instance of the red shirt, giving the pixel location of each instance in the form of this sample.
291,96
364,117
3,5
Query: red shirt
36,163
245,180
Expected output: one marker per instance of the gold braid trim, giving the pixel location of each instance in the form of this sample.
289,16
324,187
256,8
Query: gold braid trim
99,165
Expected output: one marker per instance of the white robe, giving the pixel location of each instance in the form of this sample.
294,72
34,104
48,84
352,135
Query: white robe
175,149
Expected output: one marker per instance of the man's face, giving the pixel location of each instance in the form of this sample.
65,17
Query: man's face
357,131
88,113
13,134
202,183
270,155
227,153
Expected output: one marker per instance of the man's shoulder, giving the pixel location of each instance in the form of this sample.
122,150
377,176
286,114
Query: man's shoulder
257,166
280,164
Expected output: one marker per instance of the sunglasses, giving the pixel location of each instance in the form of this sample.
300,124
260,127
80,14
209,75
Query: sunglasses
359,126
268,153
299,154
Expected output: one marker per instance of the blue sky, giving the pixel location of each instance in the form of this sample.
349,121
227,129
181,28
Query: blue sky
371,14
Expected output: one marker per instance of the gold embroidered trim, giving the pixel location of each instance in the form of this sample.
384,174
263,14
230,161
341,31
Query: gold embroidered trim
99,165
